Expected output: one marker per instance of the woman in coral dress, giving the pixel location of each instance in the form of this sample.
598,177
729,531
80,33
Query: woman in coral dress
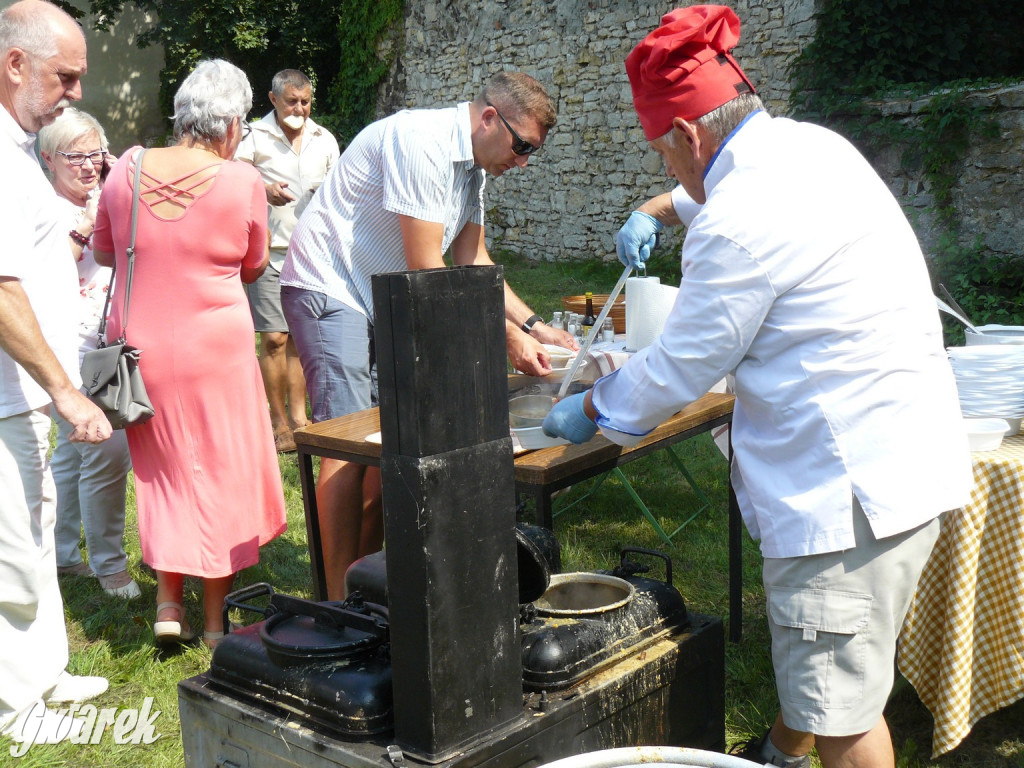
208,486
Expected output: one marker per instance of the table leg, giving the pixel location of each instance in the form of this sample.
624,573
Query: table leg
316,547
542,503
735,561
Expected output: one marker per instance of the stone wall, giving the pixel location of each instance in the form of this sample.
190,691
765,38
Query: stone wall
989,192
595,166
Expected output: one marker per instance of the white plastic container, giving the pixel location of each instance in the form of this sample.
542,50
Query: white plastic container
985,434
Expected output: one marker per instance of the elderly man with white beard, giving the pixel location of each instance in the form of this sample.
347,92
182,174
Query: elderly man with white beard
44,58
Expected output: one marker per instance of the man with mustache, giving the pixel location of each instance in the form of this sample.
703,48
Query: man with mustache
44,57
293,154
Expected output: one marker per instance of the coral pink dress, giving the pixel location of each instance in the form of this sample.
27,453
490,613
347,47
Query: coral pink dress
207,481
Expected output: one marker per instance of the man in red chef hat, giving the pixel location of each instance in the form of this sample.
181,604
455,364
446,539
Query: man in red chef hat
802,278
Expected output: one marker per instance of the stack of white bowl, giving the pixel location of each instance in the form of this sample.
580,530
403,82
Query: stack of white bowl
990,380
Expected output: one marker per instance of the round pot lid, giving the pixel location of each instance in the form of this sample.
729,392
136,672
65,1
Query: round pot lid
538,556
303,639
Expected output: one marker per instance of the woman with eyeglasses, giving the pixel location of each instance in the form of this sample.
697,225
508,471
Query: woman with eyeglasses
207,480
90,477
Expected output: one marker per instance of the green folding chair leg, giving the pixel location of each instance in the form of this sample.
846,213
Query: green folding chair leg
600,481
667,537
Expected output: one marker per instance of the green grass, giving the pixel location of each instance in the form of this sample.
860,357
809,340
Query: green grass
114,638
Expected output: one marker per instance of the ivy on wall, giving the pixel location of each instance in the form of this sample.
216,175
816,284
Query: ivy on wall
367,50
864,52
337,43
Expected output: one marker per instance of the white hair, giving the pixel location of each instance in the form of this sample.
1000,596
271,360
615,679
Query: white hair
23,27
209,99
72,125
720,122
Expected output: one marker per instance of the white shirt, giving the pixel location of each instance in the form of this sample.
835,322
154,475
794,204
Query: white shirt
37,252
802,276
93,281
267,148
418,163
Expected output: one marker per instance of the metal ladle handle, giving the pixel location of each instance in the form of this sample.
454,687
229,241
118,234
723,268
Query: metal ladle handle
594,330
950,311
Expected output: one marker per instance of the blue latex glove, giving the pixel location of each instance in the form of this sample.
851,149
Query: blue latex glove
568,420
635,240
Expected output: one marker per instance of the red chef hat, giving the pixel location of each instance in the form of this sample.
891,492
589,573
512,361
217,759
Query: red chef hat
683,68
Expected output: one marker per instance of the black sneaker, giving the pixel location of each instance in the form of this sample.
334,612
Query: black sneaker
753,750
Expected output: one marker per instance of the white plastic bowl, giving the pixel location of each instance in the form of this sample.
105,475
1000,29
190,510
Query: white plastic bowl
985,434
560,356
995,334
1014,425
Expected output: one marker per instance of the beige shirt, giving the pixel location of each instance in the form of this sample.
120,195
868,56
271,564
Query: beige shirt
271,152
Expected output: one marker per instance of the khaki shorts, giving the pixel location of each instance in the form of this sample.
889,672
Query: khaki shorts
265,302
835,619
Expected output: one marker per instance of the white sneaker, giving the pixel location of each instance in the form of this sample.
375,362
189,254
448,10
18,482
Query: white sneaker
39,725
121,585
74,689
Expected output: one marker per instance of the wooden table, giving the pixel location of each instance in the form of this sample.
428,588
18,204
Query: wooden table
962,645
538,473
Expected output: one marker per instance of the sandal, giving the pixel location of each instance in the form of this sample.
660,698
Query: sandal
210,639
171,632
284,442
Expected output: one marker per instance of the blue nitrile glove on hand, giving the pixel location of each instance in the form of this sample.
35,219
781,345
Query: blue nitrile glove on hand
636,239
568,420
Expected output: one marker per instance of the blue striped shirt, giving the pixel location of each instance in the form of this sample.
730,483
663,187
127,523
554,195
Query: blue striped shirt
418,163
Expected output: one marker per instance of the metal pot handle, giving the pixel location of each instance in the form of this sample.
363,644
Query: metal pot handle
629,567
234,600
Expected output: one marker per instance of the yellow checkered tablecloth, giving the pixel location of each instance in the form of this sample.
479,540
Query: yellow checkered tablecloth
962,646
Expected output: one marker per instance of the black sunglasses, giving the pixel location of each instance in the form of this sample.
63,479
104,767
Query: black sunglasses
519,146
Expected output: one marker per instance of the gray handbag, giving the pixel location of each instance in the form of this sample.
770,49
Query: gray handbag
110,373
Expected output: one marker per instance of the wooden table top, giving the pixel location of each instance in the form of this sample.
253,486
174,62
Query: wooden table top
347,434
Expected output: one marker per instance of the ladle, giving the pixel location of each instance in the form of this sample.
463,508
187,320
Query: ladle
950,311
595,329
951,301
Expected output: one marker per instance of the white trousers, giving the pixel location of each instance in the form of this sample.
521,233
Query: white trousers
33,638
90,480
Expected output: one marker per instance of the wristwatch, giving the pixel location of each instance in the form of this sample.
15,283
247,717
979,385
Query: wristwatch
531,321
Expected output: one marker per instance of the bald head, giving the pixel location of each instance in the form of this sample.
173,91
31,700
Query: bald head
43,59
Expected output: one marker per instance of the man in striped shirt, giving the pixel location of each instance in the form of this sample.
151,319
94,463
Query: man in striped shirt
406,190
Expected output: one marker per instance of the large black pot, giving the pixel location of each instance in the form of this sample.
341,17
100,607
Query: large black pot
329,663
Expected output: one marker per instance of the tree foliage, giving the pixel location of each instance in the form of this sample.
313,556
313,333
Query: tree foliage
862,47
335,42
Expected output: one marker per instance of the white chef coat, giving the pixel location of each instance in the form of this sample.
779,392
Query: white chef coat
802,276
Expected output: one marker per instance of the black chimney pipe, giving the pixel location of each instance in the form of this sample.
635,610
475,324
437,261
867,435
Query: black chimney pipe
449,501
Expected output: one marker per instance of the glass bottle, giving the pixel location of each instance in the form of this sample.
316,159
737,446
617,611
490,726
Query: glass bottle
589,318
571,324
557,322
608,330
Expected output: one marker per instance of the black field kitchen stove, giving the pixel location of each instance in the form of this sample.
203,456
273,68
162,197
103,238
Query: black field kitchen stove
463,646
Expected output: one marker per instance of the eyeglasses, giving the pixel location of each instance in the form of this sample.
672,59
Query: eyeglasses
519,146
246,129
79,158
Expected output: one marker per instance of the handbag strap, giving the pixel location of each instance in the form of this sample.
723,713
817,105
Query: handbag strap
130,253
